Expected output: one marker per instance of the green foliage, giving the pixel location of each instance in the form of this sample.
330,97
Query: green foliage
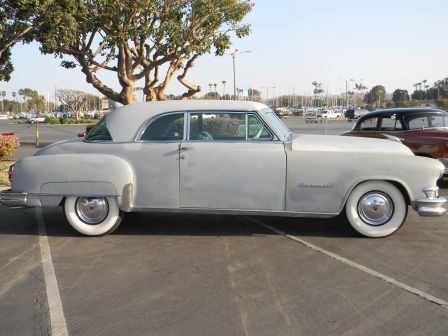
217,126
376,96
135,39
399,97
19,21
4,168
443,103
390,104
8,145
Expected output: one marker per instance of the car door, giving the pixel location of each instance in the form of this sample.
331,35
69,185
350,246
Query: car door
231,160
155,158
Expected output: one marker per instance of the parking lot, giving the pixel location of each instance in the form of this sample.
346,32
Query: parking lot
218,275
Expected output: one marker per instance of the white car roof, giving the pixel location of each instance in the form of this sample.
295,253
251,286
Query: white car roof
124,122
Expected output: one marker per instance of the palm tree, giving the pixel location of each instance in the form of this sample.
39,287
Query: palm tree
223,89
14,98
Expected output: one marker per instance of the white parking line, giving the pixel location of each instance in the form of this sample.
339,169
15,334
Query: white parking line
57,318
353,264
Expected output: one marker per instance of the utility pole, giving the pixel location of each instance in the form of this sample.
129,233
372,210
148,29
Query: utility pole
234,55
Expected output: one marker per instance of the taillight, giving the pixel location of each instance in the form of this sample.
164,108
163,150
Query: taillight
11,173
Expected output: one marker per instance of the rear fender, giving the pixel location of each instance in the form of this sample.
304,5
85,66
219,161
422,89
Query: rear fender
49,178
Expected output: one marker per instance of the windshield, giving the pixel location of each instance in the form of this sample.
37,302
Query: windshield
99,132
277,124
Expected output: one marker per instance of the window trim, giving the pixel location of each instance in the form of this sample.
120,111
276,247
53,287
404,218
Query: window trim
246,118
150,121
272,138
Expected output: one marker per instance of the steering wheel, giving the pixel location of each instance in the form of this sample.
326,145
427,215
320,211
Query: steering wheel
203,136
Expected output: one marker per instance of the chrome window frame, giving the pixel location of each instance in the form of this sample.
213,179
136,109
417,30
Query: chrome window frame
274,137
151,120
186,136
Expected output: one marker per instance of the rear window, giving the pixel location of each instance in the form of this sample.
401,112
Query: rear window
369,124
99,132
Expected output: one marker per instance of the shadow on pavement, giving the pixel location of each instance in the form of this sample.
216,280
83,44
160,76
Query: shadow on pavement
23,222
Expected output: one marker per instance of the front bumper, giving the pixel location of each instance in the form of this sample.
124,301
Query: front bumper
432,205
13,199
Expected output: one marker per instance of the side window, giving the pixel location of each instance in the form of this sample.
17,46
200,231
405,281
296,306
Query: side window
438,121
165,128
418,122
391,123
368,124
217,126
256,130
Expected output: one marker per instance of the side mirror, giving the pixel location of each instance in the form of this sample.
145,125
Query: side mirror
82,135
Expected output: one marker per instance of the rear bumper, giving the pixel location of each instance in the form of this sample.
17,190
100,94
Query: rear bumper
13,199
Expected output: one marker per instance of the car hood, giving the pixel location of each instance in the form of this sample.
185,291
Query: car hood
346,144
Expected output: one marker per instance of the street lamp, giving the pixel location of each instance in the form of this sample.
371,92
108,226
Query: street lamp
234,55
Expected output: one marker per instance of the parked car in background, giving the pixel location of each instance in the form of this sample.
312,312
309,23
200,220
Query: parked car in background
423,130
282,112
331,114
33,120
175,156
3,117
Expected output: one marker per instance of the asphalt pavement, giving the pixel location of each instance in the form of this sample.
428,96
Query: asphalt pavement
222,275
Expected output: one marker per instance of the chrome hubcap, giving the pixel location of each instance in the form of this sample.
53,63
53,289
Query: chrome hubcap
375,208
92,210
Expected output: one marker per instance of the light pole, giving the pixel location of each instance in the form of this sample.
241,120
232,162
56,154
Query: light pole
234,55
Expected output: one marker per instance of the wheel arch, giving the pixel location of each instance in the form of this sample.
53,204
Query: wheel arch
398,184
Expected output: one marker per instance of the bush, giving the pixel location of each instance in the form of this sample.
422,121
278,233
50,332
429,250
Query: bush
8,145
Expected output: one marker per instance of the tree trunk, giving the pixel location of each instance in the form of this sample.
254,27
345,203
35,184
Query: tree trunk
127,95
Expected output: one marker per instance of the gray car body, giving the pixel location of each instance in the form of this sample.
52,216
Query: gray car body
304,175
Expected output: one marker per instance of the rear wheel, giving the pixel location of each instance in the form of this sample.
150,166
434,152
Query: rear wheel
92,216
376,208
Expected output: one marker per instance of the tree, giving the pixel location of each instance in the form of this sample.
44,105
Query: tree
74,100
376,96
399,96
150,40
19,20
317,89
34,102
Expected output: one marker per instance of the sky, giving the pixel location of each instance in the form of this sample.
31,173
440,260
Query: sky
395,43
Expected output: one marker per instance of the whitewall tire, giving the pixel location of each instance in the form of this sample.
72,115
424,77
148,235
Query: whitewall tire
92,216
376,208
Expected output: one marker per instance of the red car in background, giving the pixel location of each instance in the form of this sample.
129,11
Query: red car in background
423,130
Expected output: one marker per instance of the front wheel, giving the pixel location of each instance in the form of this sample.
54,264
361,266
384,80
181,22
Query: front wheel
93,216
376,208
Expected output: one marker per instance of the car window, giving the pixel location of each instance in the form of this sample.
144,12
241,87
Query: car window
99,132
166,128
391,123
277,124
438,121
256,130
217,126
418,122
369,124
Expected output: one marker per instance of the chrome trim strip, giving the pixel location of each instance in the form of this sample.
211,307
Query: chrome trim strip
235,212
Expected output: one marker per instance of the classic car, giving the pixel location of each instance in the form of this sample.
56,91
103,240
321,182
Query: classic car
223,157
423,130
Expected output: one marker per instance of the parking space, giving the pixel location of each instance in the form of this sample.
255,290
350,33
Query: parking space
223,275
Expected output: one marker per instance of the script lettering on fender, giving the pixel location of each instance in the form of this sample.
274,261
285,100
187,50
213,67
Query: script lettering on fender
313,185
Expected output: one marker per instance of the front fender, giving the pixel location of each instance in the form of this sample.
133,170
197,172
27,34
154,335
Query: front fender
48,178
